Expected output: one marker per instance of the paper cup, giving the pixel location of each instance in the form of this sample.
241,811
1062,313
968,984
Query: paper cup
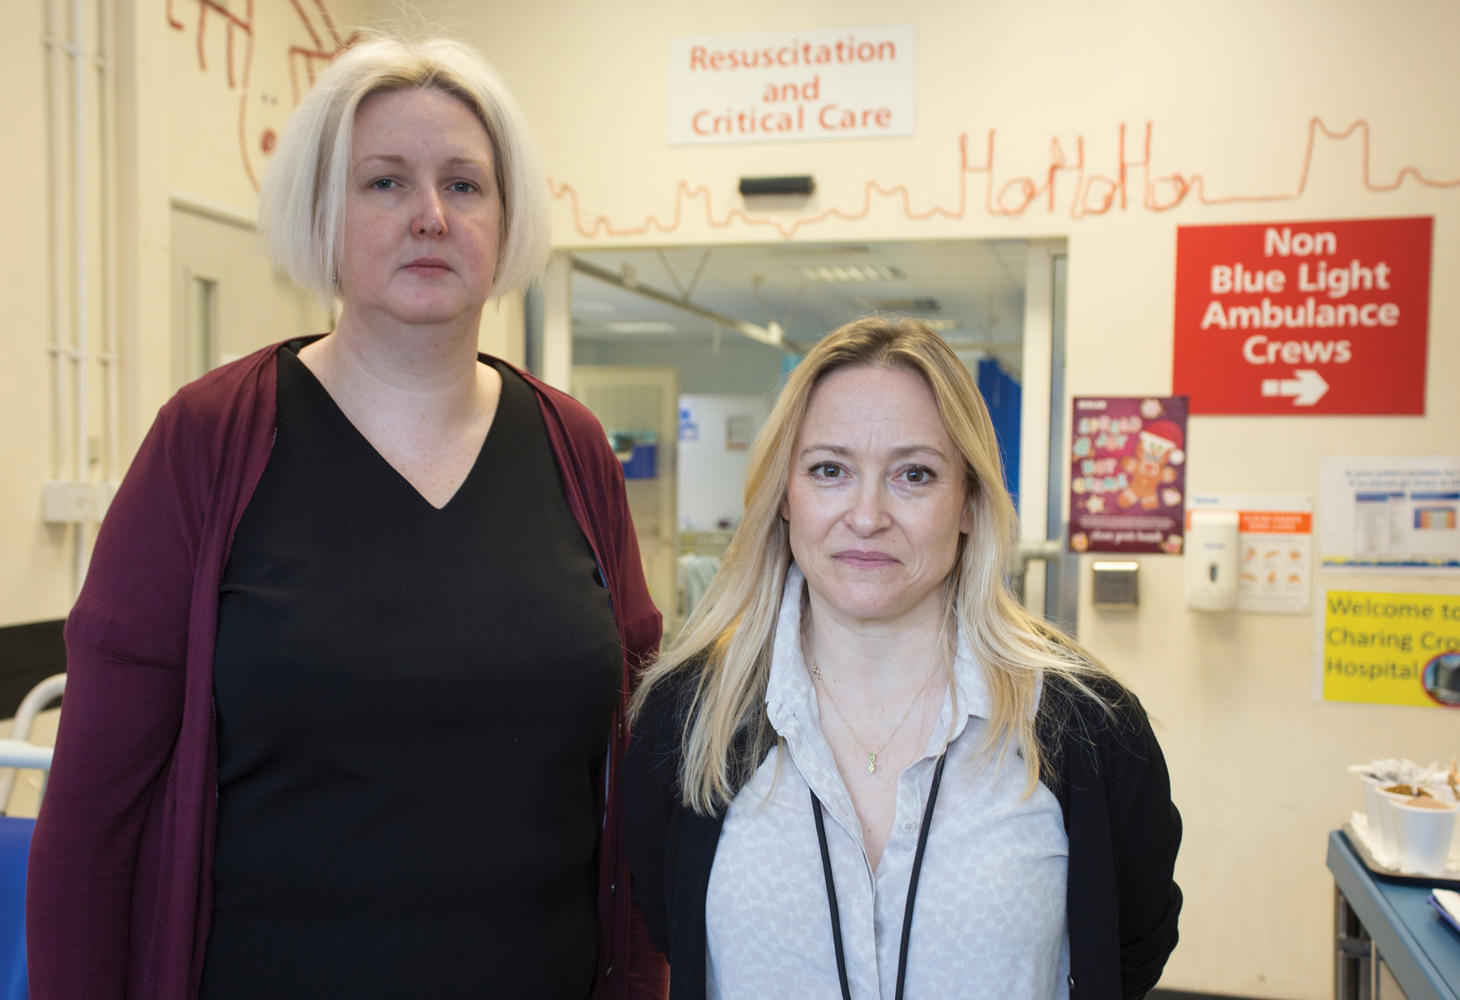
1389,838
1442,791
1422,835
1379,839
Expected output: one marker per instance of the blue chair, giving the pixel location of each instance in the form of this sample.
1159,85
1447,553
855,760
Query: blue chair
15,835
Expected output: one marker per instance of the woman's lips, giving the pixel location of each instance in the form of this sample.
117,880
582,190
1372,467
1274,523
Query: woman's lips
869,560
427,264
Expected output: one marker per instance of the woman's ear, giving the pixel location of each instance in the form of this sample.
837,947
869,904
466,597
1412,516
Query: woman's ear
965,523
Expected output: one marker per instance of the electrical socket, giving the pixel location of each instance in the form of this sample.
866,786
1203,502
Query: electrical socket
74,503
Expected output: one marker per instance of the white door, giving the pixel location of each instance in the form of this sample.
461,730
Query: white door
227,298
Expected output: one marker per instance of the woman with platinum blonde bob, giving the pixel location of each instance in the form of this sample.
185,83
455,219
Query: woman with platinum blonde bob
347,676
863,770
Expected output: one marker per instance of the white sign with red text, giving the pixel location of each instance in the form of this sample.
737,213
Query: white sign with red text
816,83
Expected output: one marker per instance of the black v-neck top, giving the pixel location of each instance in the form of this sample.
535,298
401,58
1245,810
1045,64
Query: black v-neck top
411,706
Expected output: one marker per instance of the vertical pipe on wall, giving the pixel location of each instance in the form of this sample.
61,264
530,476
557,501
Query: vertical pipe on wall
55,136
81,318
106,52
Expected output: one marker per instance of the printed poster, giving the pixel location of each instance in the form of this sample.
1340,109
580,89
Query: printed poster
1274,549
1389,648
1128,474
1394,512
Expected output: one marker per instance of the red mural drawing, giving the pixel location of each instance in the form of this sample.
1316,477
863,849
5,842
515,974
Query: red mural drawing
312,40
307,41
1085,192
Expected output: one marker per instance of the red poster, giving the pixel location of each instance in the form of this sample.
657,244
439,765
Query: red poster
1302,318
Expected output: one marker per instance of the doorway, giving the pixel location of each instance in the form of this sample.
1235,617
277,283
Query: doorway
227,297
734,319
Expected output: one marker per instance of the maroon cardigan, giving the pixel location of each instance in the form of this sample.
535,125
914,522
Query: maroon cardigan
120,882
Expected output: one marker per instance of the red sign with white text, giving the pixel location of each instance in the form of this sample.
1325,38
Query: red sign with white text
1301,318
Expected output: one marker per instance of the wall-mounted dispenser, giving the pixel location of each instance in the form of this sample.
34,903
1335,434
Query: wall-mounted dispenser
1211,560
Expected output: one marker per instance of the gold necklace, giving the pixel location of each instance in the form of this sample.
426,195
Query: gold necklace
871,754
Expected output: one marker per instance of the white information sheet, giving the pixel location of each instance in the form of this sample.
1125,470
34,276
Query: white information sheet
1394,512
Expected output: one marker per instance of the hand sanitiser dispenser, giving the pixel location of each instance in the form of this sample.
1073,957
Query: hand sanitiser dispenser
1211,560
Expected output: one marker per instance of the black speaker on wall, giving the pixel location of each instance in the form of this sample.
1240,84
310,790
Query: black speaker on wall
799,184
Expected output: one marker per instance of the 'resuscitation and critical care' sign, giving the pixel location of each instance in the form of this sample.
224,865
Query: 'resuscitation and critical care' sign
1390,649
1303,318
818,83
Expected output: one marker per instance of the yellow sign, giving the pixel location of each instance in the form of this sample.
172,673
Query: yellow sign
1391,649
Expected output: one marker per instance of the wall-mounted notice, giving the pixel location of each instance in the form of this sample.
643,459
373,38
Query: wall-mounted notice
1398,512
1389,649
1128,474
1299,318
1275,549
817,83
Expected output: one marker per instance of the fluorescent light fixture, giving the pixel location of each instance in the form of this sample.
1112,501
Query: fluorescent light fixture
850,273
639,326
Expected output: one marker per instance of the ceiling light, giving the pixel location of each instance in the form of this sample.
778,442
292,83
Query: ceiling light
639,326
820,249
847,274
918,305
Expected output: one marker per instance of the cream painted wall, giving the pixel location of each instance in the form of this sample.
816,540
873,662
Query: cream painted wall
1229,91
29,588
178,126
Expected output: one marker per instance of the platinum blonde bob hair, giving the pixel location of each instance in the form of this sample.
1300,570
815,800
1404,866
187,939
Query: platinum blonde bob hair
302,199
729,637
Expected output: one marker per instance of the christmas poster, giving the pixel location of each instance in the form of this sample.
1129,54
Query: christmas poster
1128,474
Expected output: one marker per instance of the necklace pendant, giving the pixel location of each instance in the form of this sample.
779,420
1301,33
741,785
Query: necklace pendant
871,763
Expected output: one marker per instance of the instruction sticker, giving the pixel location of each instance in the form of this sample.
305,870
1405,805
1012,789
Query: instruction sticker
1390,649
1275,549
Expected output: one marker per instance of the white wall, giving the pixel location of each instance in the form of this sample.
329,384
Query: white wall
1229,92
711,467
739,366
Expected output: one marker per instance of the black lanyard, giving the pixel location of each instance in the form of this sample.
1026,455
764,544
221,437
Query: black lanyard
912,885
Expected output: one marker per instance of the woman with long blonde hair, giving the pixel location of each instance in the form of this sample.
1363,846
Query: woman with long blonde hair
863,769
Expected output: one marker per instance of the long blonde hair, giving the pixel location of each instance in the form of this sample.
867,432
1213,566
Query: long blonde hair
729,636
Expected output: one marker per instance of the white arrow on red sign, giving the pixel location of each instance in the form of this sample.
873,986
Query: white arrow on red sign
1308,388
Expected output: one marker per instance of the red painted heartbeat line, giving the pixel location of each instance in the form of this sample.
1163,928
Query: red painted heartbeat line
1092,193
320,50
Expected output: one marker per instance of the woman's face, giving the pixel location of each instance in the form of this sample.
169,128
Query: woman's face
876,498
423,216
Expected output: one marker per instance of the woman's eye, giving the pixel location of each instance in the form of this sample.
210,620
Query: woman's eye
383,183
919,474
826,470
462,187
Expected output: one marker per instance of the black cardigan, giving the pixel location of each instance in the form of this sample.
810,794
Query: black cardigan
1105,769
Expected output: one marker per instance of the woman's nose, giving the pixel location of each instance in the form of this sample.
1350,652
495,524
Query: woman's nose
869,509
430,217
